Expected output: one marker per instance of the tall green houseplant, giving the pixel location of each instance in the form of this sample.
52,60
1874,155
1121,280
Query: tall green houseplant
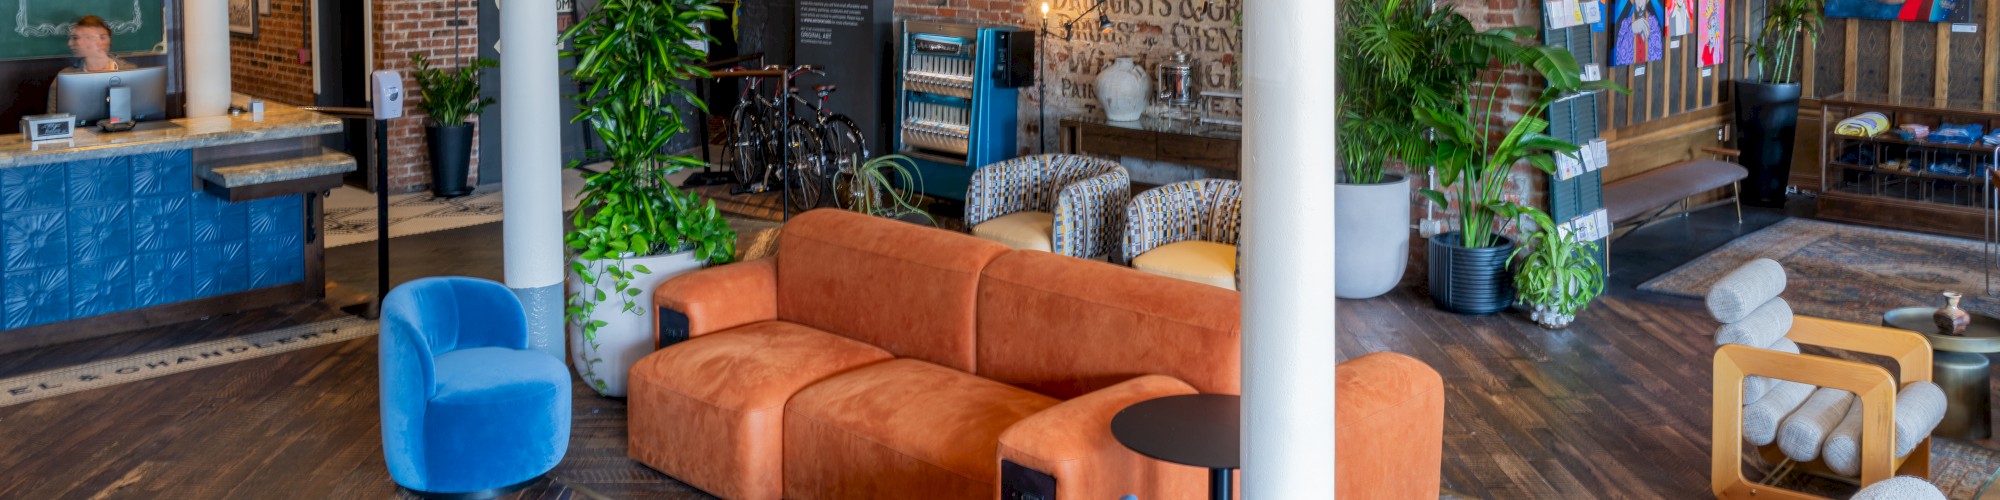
1767,104
633,57
451,99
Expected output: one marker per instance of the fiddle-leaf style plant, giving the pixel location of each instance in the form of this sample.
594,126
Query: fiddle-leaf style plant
1397,55
451,96
887,186
632,55
1472,151
1789,27
1559,275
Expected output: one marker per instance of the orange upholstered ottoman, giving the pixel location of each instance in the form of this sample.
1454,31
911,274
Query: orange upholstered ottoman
709,410
900,429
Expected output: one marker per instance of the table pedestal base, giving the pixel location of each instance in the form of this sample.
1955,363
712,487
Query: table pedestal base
1218,484
1964,380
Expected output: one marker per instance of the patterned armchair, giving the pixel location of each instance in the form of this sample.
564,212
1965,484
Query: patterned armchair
1186,230
1067,204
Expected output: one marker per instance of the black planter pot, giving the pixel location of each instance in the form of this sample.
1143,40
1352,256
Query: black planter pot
1767,120
1470,280
451,154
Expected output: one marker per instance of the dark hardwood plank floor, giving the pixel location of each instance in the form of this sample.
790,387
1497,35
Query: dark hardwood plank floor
1615,407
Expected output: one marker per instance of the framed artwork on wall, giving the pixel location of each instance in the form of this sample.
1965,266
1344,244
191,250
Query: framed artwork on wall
1714,44
1679,16
243,17
1636,32
1934,11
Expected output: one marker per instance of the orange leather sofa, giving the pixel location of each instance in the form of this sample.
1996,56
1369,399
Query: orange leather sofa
877,359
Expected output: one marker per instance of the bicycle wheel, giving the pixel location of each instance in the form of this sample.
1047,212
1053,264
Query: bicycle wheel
804,177
845,151
748,147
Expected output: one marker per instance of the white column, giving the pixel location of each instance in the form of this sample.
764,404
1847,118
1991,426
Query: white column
205,48
531,167
1288,294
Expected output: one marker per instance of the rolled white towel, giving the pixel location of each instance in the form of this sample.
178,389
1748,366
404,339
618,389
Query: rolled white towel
1760,419
1763,327
1754,387
1802,433
1919,408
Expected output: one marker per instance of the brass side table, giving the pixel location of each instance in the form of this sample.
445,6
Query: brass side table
1959,366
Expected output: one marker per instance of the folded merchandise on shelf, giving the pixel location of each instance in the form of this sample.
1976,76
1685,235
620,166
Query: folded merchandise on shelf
1991,138
1956,133
1913,131
1868,124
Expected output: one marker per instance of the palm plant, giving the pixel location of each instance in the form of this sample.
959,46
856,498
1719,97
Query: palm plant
1397,55
632,55
1789,26
1471,156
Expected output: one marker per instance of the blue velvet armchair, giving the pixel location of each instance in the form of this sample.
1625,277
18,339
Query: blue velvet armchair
466,407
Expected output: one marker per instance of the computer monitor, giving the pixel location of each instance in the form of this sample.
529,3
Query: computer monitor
86,95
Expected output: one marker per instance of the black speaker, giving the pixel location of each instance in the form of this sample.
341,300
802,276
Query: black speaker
1015,66
1022,483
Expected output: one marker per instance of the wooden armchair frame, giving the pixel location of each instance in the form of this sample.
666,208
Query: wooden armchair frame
1873,384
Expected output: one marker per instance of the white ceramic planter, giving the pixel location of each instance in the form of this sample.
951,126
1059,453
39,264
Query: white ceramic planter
1371,237
1550,319
626,336
1124,90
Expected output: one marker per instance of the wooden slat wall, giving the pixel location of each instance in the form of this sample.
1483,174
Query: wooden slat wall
1925,60
1673,85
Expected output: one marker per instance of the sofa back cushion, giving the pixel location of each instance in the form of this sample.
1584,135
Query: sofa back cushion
904,288
1063,326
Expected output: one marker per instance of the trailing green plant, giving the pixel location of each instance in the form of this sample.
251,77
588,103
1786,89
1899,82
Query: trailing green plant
1397,55
887,186
1475,146
451,95
632,56
1790,26
1559,272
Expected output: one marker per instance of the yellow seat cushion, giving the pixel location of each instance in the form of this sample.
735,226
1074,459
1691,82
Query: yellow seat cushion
1198,261
1020,230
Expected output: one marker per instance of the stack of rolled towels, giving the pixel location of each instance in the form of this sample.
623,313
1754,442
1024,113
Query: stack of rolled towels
1807,422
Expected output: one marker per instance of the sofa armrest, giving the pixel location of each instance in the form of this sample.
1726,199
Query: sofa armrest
1072,442
723,297
1390,428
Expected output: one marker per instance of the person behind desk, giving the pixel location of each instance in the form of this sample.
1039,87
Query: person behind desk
90,42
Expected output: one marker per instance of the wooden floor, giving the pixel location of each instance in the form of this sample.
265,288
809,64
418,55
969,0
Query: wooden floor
1614,407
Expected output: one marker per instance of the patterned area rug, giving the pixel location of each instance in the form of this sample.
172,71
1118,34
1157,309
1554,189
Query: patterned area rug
110,372
1848,273
350,211
1963,471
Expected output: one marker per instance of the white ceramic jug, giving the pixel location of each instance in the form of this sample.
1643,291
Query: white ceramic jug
1123,88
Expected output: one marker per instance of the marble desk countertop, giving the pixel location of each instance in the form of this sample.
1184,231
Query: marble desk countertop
280,122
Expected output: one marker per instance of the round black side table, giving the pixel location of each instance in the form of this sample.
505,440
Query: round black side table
1958,366
1201,430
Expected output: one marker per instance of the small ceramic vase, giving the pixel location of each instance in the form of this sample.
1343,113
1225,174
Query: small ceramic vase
1124,90
1950,319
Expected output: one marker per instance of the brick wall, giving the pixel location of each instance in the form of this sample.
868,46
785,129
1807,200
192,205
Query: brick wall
268,66
446,32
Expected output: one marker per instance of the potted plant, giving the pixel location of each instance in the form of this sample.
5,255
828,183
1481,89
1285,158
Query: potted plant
1389,65
1474,148
632,228
451,99
885,186
1767,104
1560,274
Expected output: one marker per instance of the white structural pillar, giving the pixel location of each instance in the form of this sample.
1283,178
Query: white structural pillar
1288,288
531,167
206,52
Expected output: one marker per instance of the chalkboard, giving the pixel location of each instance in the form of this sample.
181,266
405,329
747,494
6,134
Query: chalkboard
35,29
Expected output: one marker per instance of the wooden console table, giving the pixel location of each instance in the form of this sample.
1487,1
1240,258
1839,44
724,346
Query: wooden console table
1186,142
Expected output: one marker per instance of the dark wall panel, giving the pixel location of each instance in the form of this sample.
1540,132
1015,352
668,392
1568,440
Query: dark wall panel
1872,76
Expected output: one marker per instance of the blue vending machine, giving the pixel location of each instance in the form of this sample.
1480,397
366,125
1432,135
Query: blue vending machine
958,104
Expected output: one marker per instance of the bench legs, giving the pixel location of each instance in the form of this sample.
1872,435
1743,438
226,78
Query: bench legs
1736,196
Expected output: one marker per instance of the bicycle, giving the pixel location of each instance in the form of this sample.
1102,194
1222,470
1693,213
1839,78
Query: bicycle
756,143
843,149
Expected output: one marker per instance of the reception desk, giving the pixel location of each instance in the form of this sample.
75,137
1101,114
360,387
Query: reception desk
172,221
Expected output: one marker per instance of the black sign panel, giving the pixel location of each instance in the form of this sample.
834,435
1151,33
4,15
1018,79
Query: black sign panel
855,41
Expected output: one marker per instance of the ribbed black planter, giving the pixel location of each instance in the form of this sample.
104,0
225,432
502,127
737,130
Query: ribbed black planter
1767,117
451,156
1470,280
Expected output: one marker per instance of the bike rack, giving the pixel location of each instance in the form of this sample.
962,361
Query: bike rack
784,107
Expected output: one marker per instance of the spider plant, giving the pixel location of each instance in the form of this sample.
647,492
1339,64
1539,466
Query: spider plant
887,186
1559,274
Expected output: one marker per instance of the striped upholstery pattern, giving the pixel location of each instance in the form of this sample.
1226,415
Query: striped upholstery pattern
1197,210
1087,196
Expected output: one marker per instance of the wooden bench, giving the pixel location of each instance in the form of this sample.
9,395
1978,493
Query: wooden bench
1661,189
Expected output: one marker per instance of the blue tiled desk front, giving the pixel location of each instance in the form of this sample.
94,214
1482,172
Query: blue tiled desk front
85,238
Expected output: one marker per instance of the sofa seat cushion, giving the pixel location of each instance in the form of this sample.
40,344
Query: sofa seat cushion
1198,261
1029,230
708,411
900,429
493,419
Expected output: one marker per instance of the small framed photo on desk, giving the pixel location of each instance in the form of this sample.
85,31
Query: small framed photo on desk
50,127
